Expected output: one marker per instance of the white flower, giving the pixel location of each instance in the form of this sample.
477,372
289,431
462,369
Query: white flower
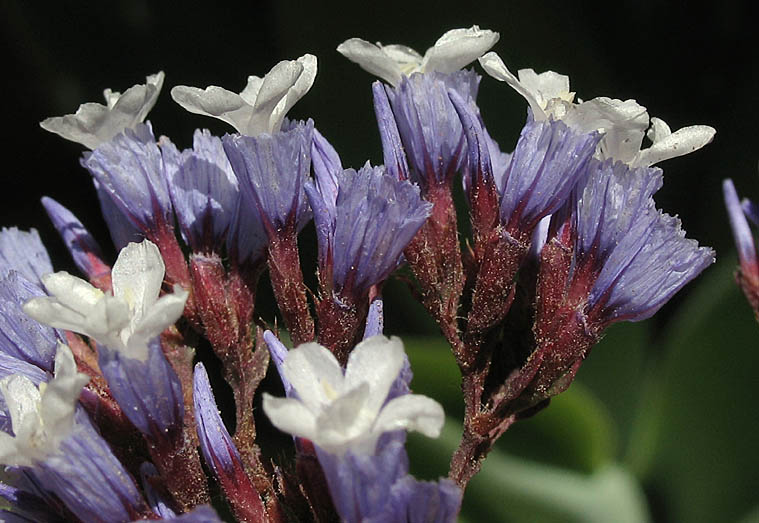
40,417
341,412
95,123
125,320
262,105
455,49
623,123
547,93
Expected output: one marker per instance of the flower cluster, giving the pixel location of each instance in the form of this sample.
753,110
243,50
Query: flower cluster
106,413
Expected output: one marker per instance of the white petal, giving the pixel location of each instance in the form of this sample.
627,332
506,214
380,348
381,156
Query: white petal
23,401
546,86
10,453
95,123
216,102
71,291
301,87
412,412
345,420
457,49
290,415
272,91
161,315
250,93
50,312
408,60
682,141
371,59
377,362
495,67
59,398
623,123
659,130
137,277
315,375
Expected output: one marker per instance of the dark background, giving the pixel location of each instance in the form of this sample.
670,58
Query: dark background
686,64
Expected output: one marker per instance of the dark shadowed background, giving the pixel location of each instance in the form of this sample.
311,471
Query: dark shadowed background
686,64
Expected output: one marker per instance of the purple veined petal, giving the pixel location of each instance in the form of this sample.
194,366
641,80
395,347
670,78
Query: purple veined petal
88,478
121,229
640,255
278,353
375,319
428,125
157,503
751,210
479,163
22,337
272,171
129,168
426,501
548,161
327,165
247,240
149,392
361,485
392,147
376,217
219,451
744,239
609,204
657,271
84,249
203,189
24,252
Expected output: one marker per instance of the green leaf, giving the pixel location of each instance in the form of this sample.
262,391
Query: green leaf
514,489
697,431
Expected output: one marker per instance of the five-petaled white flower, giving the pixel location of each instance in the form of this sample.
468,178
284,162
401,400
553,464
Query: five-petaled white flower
624,123
95,123
125,320
40,417
262,105
455,49
348,411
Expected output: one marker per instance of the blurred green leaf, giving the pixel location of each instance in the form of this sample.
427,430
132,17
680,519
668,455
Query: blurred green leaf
696,436
515,489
